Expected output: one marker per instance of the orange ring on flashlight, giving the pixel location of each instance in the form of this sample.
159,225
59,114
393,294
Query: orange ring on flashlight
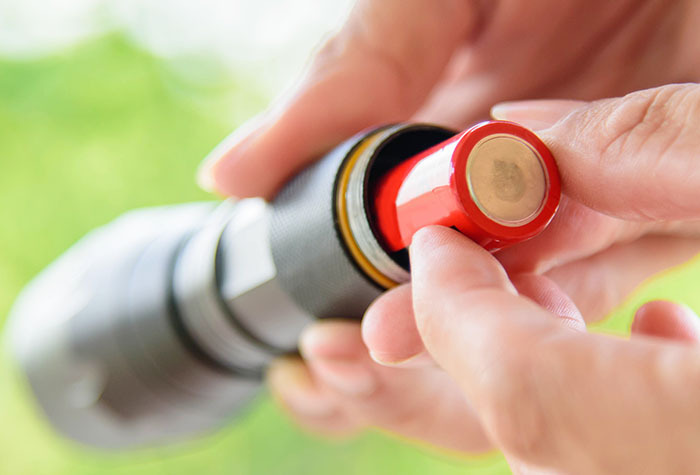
344,222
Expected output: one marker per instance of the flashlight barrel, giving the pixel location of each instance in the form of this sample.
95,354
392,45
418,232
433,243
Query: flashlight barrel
160,325
99,338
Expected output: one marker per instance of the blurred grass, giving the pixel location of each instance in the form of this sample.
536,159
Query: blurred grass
103,128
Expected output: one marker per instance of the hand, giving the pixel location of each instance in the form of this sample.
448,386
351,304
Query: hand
647,125
448,62
551,396
460,60
628,168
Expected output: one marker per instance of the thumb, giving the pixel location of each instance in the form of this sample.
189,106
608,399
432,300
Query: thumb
633,157
546,395
379,68
460,289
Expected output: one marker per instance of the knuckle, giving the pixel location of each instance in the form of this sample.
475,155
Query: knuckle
650,137
357,59
652,120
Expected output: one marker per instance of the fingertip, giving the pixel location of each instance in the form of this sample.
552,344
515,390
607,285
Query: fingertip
415,361
445,262
229,169
332,339
204,176
337,357
288,371
389,328
426,244
429,236
291,384
666,319
242,172
316,411
348,378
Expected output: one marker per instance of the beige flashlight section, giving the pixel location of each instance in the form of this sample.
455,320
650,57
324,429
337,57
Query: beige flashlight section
506,179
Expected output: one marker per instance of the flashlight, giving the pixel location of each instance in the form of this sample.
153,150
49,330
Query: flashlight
496,182
159,325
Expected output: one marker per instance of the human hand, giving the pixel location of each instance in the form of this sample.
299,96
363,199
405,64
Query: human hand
448,62
655,131
460,60
341,389
549,395
628,169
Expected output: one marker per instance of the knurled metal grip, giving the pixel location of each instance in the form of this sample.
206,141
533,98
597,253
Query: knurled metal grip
323,240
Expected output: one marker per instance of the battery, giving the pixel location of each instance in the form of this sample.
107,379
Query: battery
496,182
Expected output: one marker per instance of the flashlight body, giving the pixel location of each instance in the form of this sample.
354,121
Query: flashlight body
159,325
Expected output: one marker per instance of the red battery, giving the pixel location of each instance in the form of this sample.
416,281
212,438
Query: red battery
496,182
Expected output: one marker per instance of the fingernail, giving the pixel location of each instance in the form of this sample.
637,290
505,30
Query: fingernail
289,380
226,148
535,115
229,149
205,177
419,360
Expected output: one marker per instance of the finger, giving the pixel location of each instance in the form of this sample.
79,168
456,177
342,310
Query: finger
535,115
576,232
389,329
547,395
632,157
421,404
292,386
547,294
665,319
599,283
593,285
378,69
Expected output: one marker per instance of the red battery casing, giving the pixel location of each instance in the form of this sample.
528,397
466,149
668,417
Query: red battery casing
432,188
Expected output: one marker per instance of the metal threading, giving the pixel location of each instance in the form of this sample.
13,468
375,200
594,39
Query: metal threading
353,219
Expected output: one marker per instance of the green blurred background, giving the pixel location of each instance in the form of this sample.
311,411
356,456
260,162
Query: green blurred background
102,127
